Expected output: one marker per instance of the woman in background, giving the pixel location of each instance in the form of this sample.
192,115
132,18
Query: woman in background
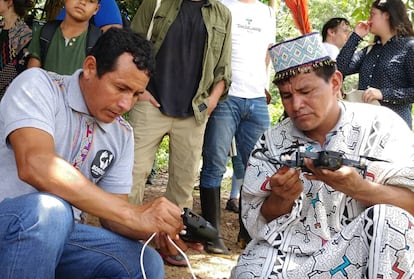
386,67
15,36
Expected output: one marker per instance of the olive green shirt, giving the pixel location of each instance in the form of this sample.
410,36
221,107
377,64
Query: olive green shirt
217,54
63,56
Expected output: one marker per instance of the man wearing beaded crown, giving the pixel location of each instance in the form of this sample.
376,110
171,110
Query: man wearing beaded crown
325,223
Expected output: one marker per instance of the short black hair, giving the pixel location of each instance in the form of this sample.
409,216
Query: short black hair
116,41
333,23
22,6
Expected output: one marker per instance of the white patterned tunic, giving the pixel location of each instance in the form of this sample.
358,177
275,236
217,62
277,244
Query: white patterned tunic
329,234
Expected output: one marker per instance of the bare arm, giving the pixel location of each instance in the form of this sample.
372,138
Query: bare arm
348,181
39,166
286,188
34,63
267,63
215,95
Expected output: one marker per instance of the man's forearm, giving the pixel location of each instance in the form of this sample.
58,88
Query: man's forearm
218,89
215,95
373,193
273,208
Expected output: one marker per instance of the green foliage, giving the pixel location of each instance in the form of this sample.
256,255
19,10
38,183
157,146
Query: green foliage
162,156
321,10
129,7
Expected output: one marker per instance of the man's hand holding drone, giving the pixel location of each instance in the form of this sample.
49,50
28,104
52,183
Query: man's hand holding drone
346,179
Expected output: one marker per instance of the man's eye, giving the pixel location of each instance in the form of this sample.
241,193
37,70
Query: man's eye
306,91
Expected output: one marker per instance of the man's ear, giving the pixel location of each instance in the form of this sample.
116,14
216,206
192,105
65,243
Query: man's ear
89,67
336,81
97,9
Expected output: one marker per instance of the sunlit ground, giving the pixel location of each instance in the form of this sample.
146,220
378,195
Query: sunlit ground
204,266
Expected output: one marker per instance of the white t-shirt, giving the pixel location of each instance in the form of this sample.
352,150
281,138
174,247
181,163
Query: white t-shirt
253,30
332,50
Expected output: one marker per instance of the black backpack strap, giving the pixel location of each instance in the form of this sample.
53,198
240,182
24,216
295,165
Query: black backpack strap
46,35
93,35
49,28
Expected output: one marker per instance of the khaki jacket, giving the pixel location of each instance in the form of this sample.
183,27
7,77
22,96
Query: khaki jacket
217,54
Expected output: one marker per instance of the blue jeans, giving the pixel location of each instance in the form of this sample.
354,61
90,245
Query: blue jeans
39,239
245,118
238,176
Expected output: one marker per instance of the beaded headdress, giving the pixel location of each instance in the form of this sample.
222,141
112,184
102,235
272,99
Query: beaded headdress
298,55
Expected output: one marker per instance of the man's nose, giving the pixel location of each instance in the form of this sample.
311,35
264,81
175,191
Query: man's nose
126,103
297,102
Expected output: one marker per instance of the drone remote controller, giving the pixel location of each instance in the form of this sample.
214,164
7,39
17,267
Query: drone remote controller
197,229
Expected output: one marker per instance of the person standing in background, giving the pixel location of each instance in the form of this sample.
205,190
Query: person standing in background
67,47
244,113
64,144
386,67
232,203
192,41
335,33
107,16
15,36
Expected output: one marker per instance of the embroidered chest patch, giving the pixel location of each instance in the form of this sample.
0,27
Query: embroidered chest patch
101,163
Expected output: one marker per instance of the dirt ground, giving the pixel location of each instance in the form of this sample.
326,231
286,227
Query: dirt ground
204,265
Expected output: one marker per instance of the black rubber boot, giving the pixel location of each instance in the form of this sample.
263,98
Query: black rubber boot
211,211
243,237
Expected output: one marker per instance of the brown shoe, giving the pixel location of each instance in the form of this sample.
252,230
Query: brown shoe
233,205
241,243
177,260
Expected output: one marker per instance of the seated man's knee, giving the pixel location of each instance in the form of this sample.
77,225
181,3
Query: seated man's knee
47,212
55,209
387,210
153,264
394,216
42,219
129,264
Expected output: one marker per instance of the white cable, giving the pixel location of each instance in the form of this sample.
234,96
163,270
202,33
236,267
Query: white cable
184,255
141,260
